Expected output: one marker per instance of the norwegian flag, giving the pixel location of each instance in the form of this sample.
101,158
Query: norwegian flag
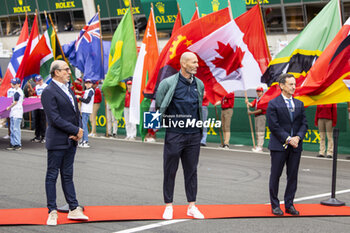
85,52
16,59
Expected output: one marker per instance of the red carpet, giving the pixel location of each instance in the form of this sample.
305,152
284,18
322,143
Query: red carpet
38,216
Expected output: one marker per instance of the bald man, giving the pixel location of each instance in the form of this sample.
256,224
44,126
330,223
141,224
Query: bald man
62,134
179,99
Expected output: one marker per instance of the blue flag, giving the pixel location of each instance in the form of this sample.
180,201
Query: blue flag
85,52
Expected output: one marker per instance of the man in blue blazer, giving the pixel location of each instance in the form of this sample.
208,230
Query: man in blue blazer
63,132
288,125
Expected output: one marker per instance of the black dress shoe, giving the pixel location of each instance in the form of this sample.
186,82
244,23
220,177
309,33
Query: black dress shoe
291,210
320,156
277,211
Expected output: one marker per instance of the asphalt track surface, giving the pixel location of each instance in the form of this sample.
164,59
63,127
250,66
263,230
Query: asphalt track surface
119,172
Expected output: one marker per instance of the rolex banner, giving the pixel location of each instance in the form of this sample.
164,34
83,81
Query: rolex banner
165,12
206,7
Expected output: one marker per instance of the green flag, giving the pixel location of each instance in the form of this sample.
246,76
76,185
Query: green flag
300,54
121,64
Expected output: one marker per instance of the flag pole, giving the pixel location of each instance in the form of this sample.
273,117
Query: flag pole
262,21
250,120
64,56
99,20
230,9
133,23
220,133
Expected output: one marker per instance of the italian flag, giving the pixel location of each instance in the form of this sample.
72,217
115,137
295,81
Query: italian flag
145,65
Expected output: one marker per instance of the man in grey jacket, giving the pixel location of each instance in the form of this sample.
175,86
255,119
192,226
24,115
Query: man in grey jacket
179,99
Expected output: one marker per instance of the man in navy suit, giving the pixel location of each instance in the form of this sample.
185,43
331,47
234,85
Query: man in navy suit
288,125
63,132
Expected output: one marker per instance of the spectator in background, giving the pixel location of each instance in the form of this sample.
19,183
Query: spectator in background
77,88
96,107
86,109
260,120
68,26
16,115
112,123
129,127
205,104
227,104
39,114
151,133
10,92
326,120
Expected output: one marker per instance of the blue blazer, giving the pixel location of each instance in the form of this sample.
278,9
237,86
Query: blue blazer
63,120
280,124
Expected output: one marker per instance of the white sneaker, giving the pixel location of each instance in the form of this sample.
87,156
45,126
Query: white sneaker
85,145
91,135
126,138
150,140
168,212
195,213
257,149
77,214
131,139
52,219
6,136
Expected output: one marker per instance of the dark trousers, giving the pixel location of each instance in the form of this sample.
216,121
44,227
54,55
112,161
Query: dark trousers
278,159
186,147
60,161
40,123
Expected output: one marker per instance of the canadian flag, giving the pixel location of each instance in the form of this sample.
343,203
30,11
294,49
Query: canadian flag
232,55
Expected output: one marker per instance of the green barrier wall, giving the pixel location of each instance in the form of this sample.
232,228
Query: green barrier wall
240,130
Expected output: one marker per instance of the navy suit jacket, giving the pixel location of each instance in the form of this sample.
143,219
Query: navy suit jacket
63,120
281,125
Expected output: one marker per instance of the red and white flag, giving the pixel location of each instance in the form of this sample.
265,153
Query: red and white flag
16,59
32,42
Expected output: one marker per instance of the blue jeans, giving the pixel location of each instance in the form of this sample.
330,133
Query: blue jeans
205,130
85,118
60,161
15,136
